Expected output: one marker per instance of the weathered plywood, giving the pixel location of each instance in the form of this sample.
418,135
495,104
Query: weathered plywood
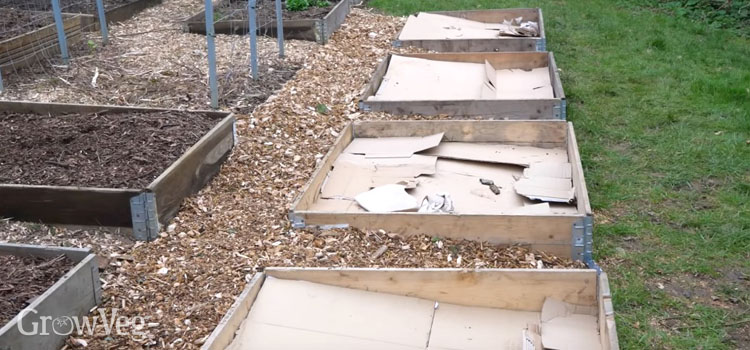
318,30
500,44
520,109
71,296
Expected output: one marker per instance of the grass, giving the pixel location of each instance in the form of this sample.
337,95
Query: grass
661,106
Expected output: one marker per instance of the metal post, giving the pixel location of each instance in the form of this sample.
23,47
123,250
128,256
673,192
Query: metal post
210,35
1,80
253,37
102,22
280,28
60,31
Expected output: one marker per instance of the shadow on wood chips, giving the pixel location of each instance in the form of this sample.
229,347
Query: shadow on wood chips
25,278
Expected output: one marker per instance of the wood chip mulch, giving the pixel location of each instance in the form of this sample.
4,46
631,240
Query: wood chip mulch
186,280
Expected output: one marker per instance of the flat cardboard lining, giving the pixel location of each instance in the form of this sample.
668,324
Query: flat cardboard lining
454,168
419,79
293,314
430,26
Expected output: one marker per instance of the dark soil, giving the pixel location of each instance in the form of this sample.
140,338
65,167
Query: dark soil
15,22
237,10
24,279
109,150
69,6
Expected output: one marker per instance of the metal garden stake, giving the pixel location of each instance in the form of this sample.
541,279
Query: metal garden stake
102,21
60,31
251,4
280,28
210,35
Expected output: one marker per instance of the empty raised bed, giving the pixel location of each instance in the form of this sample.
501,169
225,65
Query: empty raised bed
394,175
106,165
475,31
314,308
316,23
31,37
504,85
44,285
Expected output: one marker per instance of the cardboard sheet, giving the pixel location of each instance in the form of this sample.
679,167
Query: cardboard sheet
518,84
378,147
498,153
568,327
476,328
353,174
547,189
549,169
417,79
387,199
428,26
297,313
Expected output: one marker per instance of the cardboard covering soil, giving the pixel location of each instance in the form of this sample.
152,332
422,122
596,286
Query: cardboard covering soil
291,314
386,175
431,26
419,79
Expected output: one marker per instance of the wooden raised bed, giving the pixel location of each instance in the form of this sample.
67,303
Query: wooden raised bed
512,108
72,296
499,44
27,49
566,233
469,296
143,209
318,30
118,14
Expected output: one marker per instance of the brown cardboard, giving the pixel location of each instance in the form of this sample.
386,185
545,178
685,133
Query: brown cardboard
497,153
549,169
431,26
386,199
392,146
518,84
297,313
547,189
475,328
569,327
353,174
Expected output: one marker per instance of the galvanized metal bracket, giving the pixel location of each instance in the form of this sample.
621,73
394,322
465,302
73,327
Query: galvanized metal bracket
560,111
583,241
144,217
541,44
297,221
364,107
397,43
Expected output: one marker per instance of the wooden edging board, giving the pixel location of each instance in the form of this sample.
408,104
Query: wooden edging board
118,14
554,108
517,289
318,30
499,44
143,209
72,296
38,45
564,235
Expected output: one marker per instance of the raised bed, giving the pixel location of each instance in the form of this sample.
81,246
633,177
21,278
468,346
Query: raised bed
73,295
489,84
467,43
115,10
563,228
318,29
286,308
118,13
144,207
38,45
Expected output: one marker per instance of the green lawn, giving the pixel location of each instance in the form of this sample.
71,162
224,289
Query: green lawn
661,106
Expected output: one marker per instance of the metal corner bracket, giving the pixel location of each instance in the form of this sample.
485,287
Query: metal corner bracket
144,218
297,221
582,247
541,44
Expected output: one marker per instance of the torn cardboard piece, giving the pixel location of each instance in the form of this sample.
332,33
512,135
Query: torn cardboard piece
518,84
387,199
569,327
353,174
474,328
392,147
549,169
497,153
547,189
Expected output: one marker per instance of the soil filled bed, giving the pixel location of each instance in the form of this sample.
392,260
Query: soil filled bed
266,9
68,6
122,150
25,278
16,22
